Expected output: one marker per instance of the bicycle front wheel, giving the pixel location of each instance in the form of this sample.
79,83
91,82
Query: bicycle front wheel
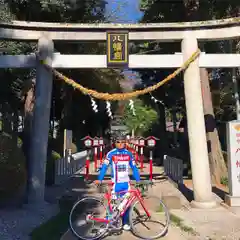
81,224
152,227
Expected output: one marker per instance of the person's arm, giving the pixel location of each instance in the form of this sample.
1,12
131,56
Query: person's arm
134,168
104,167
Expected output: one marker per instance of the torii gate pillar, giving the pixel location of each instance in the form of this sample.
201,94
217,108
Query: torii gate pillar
203,196
40,127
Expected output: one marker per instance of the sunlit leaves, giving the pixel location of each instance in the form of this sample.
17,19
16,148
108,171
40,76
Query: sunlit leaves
143,120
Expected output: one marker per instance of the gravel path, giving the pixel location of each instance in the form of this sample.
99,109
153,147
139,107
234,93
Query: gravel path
17,224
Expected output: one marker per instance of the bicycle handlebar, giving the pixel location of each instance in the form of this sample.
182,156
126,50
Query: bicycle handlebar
107,182
143,185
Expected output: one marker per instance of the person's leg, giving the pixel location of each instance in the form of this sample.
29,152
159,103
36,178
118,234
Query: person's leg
125,219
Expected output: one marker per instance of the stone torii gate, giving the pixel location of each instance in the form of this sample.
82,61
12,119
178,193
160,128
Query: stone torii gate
188,33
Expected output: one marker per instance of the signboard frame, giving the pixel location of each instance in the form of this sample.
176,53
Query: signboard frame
117,37
233,149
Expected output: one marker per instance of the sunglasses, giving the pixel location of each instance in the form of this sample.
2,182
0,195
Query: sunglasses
120,142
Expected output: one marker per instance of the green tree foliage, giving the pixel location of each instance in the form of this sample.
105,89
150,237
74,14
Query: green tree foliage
143,120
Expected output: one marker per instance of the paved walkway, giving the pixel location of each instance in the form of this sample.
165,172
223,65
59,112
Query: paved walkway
163,188
173,233
195,224
212,224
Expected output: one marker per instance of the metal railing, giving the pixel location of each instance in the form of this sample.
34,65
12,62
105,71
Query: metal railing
68,166
173,168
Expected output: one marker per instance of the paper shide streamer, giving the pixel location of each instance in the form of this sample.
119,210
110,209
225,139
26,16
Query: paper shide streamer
156,100
131,105
108,108
94,105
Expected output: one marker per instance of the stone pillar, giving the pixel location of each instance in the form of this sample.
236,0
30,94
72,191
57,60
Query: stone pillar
40,129
203,197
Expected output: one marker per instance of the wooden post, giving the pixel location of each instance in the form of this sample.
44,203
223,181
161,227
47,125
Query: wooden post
203,197
141,158
39,138
95,158
151,164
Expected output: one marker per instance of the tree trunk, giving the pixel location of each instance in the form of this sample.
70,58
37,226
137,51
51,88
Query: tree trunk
7,118
133,133
216,160
29,101
28,112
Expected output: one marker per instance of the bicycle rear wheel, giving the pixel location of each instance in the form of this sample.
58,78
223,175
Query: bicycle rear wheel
152,227
79,219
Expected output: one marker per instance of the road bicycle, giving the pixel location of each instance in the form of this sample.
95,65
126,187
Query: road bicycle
92,218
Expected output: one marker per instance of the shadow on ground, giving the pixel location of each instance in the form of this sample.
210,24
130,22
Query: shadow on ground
188,192
219,192
65,195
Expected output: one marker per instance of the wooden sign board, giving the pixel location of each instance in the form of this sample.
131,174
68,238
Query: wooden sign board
117,49
233,147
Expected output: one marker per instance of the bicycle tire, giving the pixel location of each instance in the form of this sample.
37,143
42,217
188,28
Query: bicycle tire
80,203
163,208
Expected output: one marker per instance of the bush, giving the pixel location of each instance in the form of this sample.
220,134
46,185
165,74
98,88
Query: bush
13,174
55,156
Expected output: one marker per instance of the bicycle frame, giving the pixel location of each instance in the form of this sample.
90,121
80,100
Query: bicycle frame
134,194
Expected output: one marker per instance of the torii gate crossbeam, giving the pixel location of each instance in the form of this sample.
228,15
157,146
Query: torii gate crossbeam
187,33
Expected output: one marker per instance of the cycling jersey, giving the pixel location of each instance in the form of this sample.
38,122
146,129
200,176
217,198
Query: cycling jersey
119,160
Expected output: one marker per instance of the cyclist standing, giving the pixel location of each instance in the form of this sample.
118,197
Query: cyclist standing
119,159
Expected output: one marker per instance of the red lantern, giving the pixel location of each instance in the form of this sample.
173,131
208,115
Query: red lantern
88,141
151,142
141,141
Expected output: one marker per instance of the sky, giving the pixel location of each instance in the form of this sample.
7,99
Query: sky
126,11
